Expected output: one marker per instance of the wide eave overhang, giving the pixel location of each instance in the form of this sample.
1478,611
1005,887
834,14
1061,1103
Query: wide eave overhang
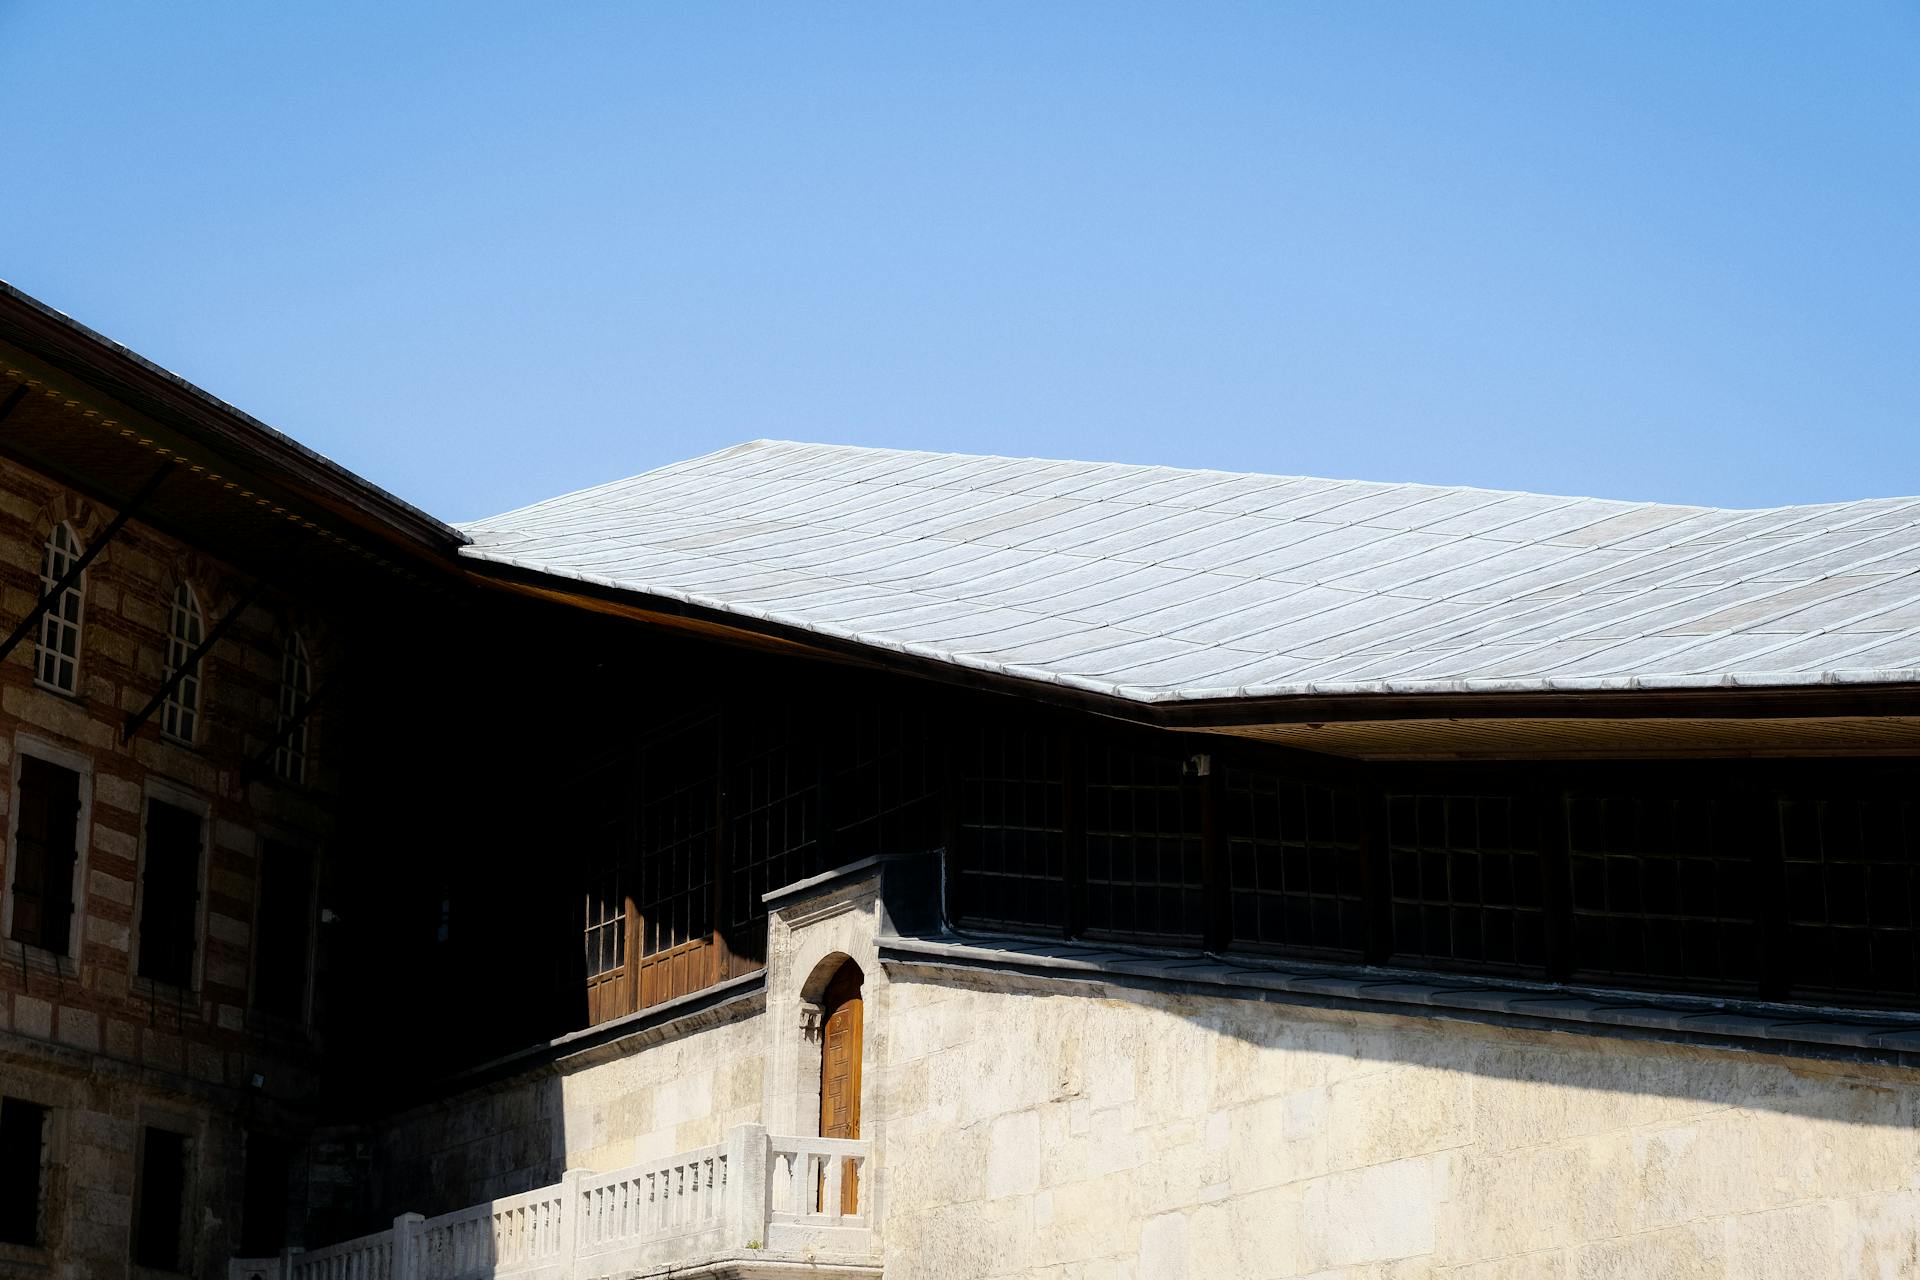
101,419
1698,721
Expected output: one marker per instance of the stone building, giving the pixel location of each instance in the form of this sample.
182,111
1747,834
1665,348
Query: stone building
820,861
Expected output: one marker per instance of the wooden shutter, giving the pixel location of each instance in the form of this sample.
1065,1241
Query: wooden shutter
43,854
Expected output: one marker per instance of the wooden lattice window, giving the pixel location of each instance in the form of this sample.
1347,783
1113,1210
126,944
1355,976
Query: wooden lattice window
1663,889
180,714
1012,856
56,662
670,878
774,829
1294,863
1144,845
883,791
1852,893
1467,882
296,690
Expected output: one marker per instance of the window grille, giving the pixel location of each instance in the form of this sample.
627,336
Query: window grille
1852,893
773,812
1144,846
1294,863
1011,863
296,690
1467,882
180,714
1663,889
57,653
678,789
883,792
608,847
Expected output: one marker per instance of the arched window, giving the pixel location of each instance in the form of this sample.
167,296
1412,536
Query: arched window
296,689
57,656
180,716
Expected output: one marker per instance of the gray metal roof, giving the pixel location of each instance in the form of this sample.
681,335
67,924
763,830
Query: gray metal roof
1158,585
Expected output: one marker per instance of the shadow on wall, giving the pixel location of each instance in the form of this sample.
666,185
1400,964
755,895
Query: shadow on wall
1074,1021
476,1147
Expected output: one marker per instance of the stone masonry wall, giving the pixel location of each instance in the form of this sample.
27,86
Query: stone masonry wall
602,1111
104,1045
1105,1134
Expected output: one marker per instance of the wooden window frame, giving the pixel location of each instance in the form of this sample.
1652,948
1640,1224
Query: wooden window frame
25,744
293,754
186,627
62,549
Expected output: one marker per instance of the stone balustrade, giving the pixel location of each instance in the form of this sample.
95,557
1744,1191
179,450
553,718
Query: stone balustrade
756,1202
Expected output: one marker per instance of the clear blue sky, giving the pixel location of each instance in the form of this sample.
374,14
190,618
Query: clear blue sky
484,253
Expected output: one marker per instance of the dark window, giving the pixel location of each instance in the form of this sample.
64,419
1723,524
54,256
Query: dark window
284,933
1012,855
162,1208
44,842
263,1211
290,757
1293,863
773,815
607,846
1852,893
1143,833
1467,881
23,1172
170,894
679,781
1663,889
883,796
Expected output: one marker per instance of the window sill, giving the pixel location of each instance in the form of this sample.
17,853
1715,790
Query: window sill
165,993
25,1260
276,1026
72,698
38,959
1806,1030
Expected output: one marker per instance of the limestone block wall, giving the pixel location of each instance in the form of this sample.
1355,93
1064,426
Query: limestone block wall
1110,1134
94,1125
600,1111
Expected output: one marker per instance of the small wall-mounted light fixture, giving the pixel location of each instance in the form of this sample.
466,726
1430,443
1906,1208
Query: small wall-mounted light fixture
259,1081
1198,766
810,1021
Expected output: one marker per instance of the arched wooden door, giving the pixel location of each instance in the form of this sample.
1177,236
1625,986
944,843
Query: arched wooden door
840,1071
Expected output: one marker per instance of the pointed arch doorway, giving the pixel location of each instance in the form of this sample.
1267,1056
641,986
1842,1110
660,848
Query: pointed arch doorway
842,1016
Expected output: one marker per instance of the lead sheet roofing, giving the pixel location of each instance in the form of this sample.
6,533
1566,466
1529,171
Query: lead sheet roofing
1157,585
